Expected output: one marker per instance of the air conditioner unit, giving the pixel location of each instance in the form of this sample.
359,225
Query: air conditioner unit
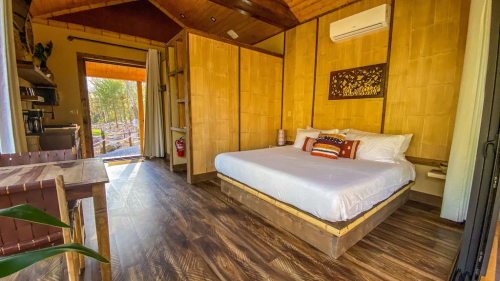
365,22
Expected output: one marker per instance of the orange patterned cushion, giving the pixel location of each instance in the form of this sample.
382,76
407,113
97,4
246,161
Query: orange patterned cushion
328,145
349,149
308,144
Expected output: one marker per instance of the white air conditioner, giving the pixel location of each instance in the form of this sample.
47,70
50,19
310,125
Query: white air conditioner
365,22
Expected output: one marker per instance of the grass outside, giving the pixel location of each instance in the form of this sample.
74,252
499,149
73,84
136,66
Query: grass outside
97,133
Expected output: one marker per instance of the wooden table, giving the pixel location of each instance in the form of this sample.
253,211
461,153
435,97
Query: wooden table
83,178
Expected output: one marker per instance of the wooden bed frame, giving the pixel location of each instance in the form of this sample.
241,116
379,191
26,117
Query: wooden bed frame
332,238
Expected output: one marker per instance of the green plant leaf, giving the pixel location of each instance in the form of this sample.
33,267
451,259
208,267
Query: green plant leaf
32,214
14,263
48,48
38,50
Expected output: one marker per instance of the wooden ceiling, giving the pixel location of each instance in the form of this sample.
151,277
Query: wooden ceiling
252,20
113,71
148,21
308,9
52,8
198,15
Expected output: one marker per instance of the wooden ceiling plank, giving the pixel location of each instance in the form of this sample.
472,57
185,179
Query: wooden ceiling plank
249,35
306,10
234,18
243,34
268,11
222,17
36,8
228,16
202,14
163,8
53,8
176,8
238,23
246,36
197,12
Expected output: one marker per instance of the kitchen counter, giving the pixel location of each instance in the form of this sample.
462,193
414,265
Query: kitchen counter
59,137
50,131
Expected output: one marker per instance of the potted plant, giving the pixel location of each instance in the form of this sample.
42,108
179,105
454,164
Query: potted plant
12,264
42,54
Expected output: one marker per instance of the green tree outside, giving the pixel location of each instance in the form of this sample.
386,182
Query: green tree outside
112,101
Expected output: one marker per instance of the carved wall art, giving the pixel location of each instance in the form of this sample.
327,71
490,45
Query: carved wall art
356,83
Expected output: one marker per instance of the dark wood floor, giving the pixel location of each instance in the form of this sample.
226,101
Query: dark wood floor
165,229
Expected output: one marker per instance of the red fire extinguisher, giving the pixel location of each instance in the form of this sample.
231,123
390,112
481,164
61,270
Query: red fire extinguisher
180,147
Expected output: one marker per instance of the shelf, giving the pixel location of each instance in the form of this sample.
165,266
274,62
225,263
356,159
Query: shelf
27,71
32,98
172,73
181,100
436,173
182,130
46,103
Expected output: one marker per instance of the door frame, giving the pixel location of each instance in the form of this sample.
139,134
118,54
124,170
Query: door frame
88,150
484,202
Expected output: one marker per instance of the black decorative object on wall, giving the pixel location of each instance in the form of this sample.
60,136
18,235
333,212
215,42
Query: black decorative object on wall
358,83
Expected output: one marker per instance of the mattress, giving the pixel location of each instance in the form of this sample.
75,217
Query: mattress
333,190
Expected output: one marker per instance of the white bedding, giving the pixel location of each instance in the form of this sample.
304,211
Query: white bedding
333,190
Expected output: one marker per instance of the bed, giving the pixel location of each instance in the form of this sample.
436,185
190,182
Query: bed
331,204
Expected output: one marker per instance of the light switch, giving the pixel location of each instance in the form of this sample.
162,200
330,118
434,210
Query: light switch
289,113
73,111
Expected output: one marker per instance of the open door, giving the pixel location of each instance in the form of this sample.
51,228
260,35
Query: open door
111,91
484,204
116,109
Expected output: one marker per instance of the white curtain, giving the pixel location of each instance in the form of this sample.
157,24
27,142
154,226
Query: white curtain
153,121
470,106
12,135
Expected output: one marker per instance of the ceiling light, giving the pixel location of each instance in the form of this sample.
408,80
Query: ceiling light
232,34
183,16
213,19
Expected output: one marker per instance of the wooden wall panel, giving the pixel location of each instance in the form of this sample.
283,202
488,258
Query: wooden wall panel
298,91
261,78
362,114
214,100
428,45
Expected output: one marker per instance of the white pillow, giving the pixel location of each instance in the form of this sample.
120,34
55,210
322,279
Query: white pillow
402,149
377,147
331,131
404,146
301,136
359,132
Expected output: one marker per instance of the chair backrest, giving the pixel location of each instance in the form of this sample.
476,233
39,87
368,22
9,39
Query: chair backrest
18,236
25,158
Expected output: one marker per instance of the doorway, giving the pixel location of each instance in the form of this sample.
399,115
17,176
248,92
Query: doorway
112,97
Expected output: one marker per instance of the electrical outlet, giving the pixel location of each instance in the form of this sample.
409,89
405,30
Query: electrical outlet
73,111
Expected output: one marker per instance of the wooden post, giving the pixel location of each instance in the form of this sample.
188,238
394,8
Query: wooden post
141,115
78,236
71,258
129,138
103,136
102,229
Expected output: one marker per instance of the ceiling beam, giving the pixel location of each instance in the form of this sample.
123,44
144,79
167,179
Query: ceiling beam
272,12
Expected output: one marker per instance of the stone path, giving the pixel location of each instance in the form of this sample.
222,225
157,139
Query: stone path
134,150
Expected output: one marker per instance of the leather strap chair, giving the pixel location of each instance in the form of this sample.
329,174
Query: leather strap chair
74,207
18,236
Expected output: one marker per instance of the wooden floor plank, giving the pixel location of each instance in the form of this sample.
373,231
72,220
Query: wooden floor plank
162,228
